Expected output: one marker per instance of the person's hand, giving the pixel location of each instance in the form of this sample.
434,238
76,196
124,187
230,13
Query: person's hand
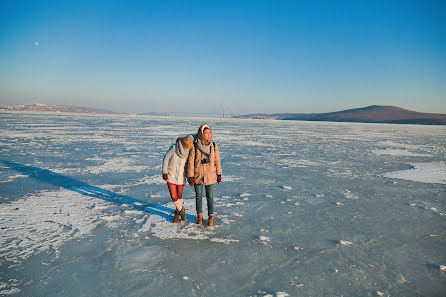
165,176
218,178
190,180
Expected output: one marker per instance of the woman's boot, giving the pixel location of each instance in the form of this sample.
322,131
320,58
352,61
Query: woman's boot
176,218
199,219
211,220
183,214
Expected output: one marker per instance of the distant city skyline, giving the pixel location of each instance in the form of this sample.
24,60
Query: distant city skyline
249,56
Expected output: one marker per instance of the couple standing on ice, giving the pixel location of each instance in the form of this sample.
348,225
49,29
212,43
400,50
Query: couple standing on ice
197,158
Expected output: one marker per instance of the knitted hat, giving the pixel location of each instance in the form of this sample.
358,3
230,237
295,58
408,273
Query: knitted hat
189,143
204,126
200,132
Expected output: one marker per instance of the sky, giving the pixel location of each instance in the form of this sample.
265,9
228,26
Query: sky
245,56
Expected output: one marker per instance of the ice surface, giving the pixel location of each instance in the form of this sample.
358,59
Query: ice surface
304,209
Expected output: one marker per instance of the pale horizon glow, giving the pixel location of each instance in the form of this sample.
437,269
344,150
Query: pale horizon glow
249,56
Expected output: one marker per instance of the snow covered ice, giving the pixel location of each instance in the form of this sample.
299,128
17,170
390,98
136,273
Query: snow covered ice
304,209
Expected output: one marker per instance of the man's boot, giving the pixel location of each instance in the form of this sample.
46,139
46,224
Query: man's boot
199,219
211,220
176,218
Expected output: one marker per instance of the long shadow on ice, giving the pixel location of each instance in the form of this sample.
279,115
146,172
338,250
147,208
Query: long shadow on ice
83,188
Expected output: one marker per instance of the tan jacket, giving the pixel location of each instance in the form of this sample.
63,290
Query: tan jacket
204,173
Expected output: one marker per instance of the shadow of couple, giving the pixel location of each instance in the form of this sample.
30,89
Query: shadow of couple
83,188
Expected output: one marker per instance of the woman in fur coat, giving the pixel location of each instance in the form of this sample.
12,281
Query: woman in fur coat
204,169
174,173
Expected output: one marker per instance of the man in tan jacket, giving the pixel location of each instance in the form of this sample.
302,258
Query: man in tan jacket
204,168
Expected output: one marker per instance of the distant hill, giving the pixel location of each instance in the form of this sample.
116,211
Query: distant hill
370,114
37,107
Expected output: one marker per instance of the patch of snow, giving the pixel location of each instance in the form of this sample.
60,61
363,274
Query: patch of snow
39,222
156,179
140,204
344,242
117,164
298,163
349,195
433,173
389,143
397,152
264,238
9,288
223,240
161,227
230,178
133,212
12,178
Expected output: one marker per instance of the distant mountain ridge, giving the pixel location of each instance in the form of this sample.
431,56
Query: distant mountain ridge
37,107
369,114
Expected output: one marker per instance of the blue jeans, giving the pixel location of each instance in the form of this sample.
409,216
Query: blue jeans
209,197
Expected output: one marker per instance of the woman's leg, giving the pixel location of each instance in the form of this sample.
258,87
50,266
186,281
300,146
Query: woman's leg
210,198
180,192
174,195
180,196
180,202
199,198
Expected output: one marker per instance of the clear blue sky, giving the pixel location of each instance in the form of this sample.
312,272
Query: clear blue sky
251,56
